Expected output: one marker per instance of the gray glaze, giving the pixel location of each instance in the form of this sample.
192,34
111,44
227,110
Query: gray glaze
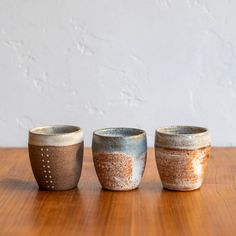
129,140
119,156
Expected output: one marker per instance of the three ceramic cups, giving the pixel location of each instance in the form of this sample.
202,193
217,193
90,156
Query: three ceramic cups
119,155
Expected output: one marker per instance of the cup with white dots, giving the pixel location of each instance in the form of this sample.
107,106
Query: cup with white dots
56,156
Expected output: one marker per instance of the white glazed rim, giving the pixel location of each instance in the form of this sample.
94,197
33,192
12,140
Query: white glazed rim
182,137
174,130
66,127
56,135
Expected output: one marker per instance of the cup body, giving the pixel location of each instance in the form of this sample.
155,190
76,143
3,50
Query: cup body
56,156
182,154
119,156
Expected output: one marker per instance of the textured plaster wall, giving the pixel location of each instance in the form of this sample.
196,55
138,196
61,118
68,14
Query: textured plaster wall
101,63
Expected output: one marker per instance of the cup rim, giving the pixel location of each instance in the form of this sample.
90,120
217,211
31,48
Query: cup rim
139,133
72,129
55,135
173,130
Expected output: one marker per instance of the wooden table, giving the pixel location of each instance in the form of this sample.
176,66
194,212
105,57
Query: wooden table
89,210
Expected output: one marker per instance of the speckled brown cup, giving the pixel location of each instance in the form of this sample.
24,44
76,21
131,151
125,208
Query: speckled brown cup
182,154
119,156
56,156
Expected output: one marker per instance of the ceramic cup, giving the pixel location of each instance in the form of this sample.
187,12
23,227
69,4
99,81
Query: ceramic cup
119,156
56,156
182,154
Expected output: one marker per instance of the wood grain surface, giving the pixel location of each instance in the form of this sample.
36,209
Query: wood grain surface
89,210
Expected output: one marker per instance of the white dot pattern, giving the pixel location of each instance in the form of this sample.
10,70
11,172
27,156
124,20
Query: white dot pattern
45,157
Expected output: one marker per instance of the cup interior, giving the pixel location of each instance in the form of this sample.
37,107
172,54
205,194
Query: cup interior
182,130
55,130
119,132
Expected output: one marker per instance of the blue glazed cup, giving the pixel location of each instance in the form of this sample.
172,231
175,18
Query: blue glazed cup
119,156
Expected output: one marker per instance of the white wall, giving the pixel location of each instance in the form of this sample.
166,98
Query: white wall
102,63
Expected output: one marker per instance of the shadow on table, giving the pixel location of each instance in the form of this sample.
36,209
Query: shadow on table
12,184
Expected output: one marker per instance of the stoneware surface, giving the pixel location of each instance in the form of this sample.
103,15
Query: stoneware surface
182,154
119,156
56,156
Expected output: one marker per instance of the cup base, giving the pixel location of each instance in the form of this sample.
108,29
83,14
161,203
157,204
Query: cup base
56,190
177,189
119,190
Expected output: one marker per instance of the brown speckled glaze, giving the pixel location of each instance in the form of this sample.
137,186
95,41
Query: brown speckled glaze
119,156
182,169
115,170
182,156
56,156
